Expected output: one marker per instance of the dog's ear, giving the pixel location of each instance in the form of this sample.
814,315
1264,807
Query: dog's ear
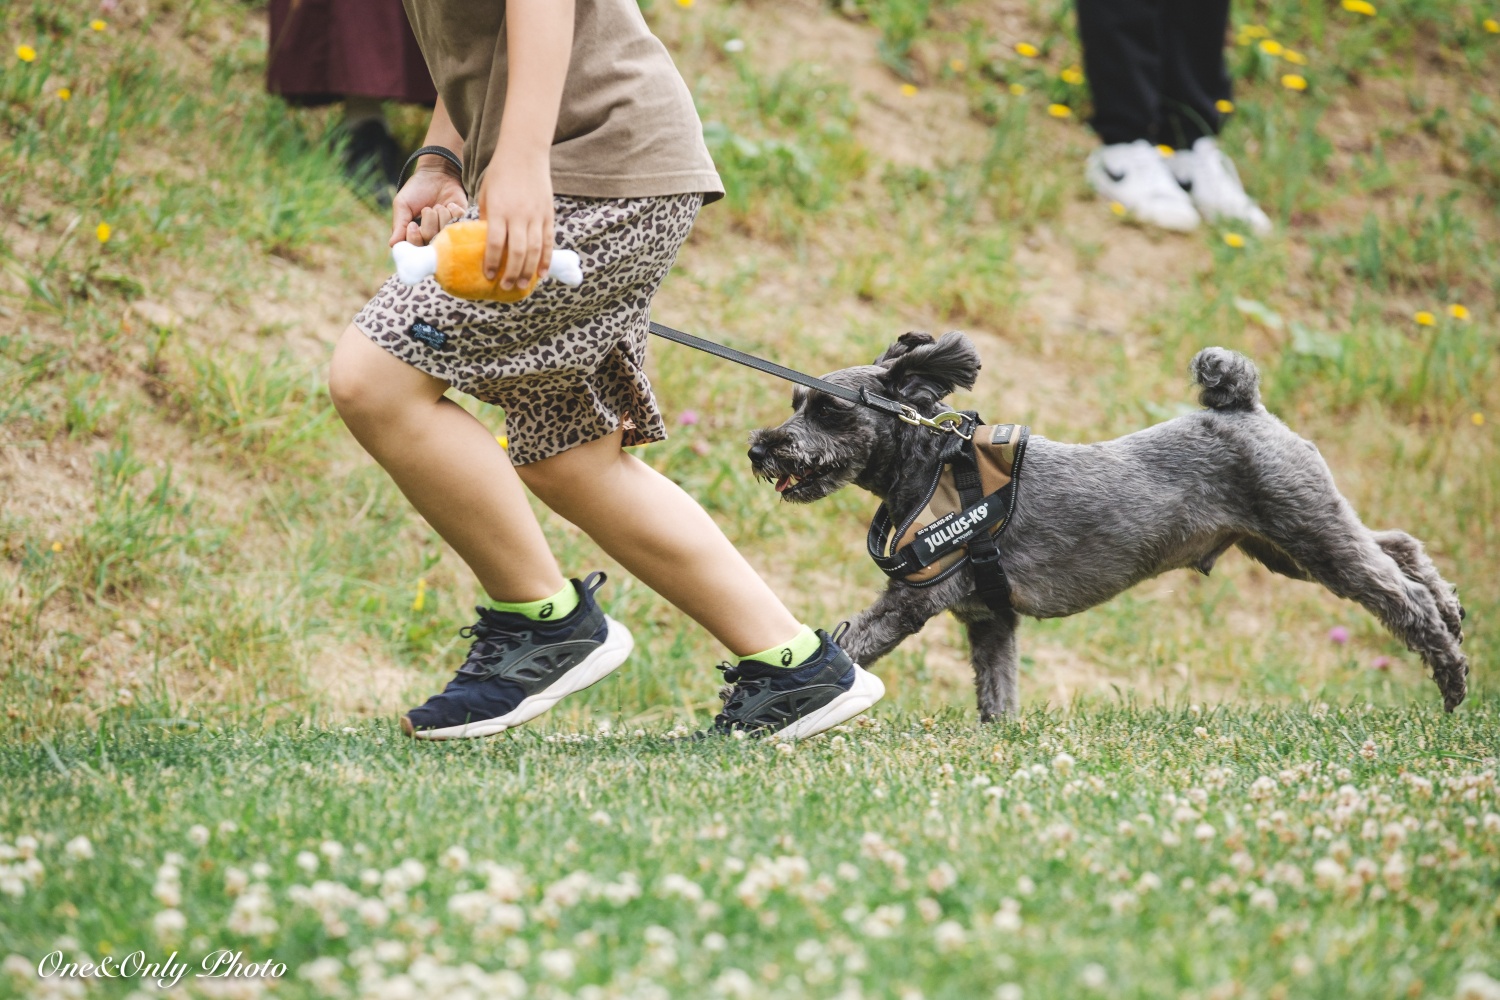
907,341
926,371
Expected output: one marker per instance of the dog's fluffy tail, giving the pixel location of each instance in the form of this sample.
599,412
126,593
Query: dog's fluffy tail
1229,380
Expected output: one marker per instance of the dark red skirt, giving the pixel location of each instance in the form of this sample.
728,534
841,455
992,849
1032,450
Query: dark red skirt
326,50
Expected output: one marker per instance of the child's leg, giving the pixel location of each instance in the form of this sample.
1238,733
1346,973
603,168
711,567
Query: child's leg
449,466
665,539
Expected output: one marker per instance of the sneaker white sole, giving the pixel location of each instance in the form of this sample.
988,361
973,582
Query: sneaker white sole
866,690
595,667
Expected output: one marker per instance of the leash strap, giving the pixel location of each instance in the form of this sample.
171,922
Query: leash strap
442,151
862,397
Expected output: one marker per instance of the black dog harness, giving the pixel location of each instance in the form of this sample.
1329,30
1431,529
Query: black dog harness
966,507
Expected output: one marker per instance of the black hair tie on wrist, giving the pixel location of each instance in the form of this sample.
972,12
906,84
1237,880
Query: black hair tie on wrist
442,151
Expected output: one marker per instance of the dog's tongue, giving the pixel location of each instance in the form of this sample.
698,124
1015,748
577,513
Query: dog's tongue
783,483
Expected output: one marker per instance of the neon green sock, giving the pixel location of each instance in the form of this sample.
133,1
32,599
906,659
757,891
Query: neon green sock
559,605
792,653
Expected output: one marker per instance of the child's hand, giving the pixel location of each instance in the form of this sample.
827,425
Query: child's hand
431,199
515,198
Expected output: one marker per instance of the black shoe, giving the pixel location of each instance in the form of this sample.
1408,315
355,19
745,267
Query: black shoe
825,690
518,668
372,160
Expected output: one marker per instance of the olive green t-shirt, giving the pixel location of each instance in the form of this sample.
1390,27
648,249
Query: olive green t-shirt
627,126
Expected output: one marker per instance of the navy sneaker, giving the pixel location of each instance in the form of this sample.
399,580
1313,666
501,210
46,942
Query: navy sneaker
823,691
518,668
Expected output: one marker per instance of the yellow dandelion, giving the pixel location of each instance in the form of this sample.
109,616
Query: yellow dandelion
1235,240
1291,81
684,3
57,546
1492,26
1255,31
1457,311
1359,7
1294,57
1477,419
97,24
420,601
1027,50
1059,111
908,90
957,65
1117,208
1165,150
102,232
502,440
1424,318
64,94
25,53
1271,47
1224,107
1017,89
1072,75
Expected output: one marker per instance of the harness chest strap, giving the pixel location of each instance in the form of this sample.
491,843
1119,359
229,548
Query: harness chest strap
967,506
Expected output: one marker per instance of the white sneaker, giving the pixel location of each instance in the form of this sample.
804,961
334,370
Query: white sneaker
1136,176
1209,176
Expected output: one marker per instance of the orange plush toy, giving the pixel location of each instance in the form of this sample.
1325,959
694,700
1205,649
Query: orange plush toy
456,258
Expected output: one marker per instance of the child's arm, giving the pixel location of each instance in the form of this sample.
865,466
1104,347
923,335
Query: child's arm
515,197
434,195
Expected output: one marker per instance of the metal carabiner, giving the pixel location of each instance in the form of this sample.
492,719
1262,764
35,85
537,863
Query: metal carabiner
948,422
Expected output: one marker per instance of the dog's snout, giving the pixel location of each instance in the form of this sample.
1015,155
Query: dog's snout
758,453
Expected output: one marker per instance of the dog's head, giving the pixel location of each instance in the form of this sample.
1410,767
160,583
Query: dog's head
828,443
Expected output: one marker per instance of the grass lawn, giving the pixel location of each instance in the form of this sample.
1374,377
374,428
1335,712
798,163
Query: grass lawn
1118,851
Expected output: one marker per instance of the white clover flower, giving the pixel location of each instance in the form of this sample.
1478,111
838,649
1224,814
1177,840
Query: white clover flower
847,872
1008,991
324,974
714,941
1394,872
260,871
786,747
168,925
1263,899
1302,965
558,963
1220,915
884,921
79,849
1093,976
1200,732
1203,833
1025,886
469,907
736,983
1477,986
949,936
734,45
1008,917
1169,838
455,858
18,967
307,861
373,913
1263,788
332,850
681,886
26,846
942,877
1369,751
1328,873
929,909
1063,764
1148,882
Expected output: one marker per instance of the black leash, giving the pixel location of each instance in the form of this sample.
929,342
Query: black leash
948,421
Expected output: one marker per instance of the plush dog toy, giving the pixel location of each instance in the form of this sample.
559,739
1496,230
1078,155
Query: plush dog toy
456,258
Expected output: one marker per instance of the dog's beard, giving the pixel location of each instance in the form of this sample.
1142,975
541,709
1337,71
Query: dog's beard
805,480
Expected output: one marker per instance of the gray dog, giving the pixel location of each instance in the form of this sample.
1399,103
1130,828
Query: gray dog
1092,520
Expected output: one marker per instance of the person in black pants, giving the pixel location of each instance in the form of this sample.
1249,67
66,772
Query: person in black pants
1156,70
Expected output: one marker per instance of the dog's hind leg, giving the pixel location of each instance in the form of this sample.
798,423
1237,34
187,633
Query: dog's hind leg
1346,557
992,649
1417,565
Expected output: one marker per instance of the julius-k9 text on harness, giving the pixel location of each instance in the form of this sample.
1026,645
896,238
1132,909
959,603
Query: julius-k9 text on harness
967,505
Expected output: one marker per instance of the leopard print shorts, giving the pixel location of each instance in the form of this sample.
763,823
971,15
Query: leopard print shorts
565,364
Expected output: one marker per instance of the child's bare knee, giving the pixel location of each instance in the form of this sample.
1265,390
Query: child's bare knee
354,383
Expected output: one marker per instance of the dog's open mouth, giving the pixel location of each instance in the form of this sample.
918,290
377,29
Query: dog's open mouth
788,484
